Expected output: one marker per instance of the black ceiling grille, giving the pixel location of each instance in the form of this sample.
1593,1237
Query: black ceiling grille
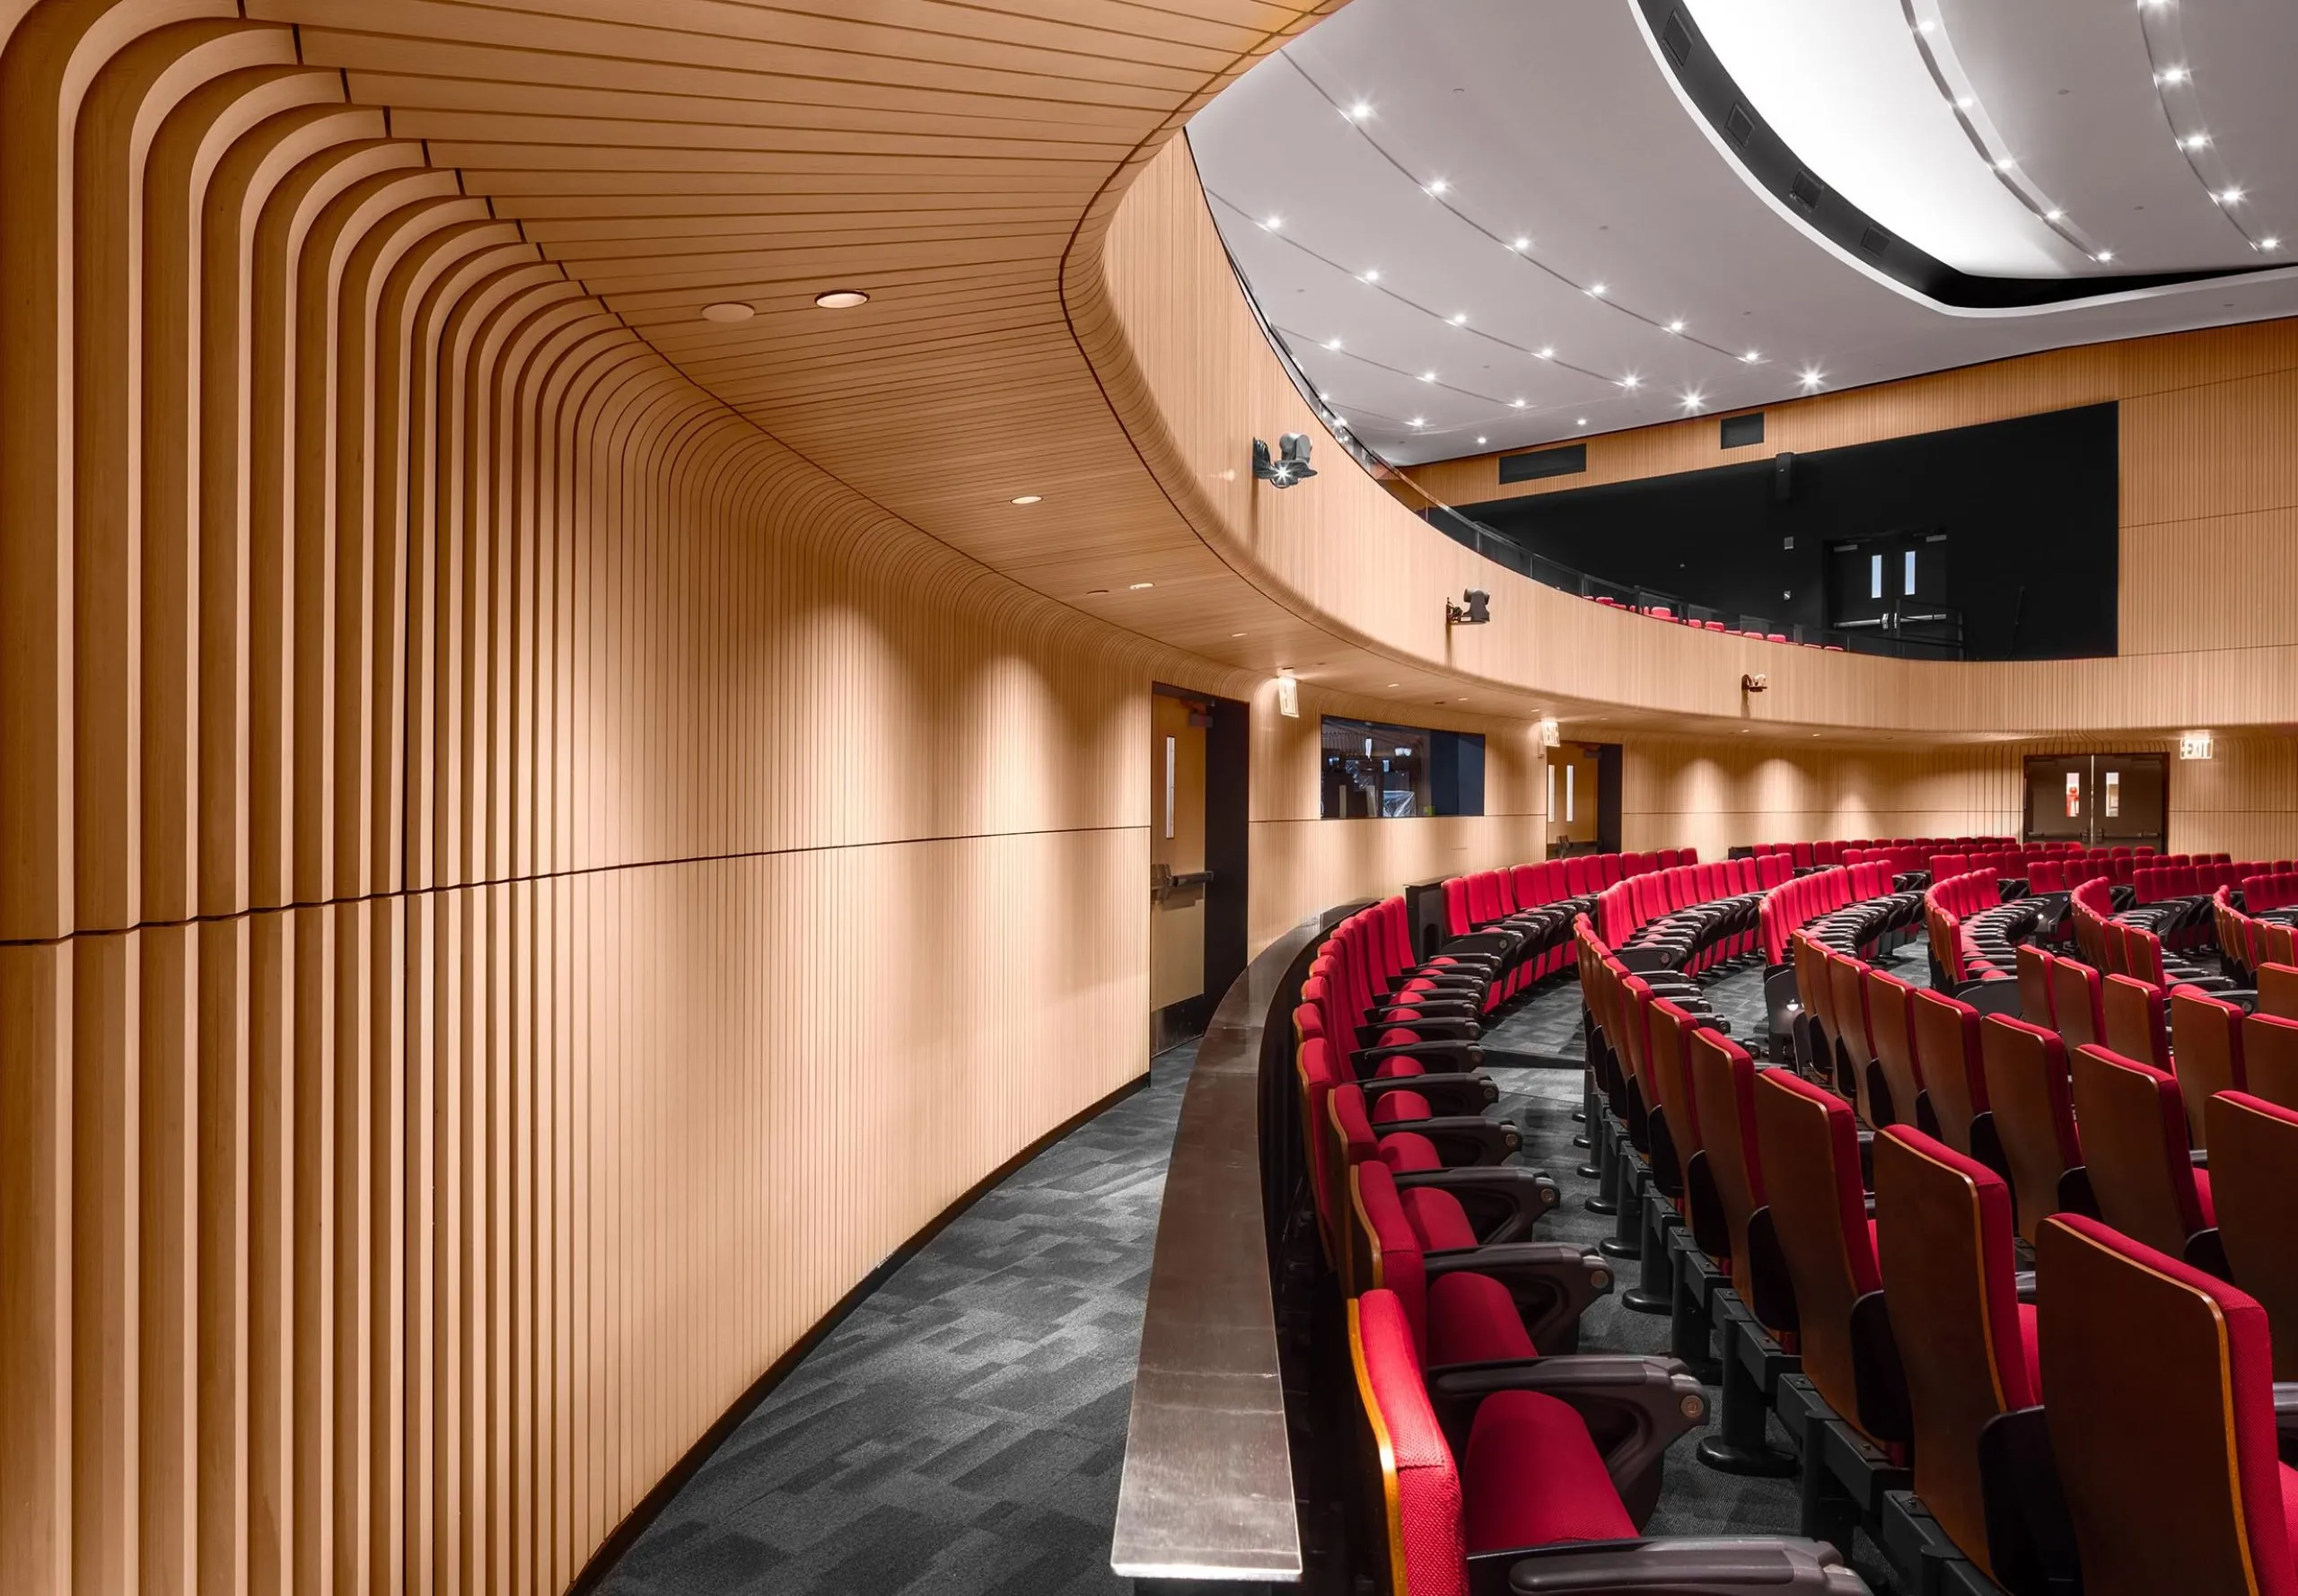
1874,241
1739,125
1805,189
1675,38
1569,461
1740,431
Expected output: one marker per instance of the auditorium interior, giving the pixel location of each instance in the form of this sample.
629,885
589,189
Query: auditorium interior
1148,798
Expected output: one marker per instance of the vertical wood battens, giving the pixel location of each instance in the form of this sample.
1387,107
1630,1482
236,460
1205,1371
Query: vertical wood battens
495,851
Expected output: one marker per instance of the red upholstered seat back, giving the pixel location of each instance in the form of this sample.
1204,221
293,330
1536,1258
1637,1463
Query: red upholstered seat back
1809,1146
1947,1047
1944,1245
1722,1082
1386,1251
2136,1024
2206,1051
2074,1002
1428,1551
2160,1411
2270,1058
2135,1147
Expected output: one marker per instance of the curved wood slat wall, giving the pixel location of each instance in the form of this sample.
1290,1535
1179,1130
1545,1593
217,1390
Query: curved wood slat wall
516,890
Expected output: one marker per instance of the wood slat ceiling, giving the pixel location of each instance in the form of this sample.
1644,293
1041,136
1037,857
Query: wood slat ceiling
944,157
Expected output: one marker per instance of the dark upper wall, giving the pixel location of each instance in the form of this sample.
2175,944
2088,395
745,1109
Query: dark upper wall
2030,505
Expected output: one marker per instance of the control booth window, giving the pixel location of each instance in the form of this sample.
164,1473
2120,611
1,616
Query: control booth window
1374,771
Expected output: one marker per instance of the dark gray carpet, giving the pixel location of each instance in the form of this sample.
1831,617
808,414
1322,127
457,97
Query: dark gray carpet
962,1431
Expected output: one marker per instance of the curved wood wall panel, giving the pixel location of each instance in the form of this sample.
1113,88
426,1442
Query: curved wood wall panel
1156,308
512,884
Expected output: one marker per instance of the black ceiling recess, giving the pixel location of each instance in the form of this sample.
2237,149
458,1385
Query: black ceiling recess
1768,160
1740,431
1569,461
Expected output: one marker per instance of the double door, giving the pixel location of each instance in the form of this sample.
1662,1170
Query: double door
2098,800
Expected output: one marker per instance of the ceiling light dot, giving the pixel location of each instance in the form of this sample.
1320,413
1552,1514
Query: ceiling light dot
1519,404
1926,26
2172,74
1460,319
1523,243
2231,197
1322,395
1811,377
2054,215
1273,223
1332,342
1437,185
1139,586
2103,256
1236,634
1597,289
1547,352
1631,381
1372,276
1750,357
1677,325
1692,401
1097,593
731,309
1358,112
2195,141
2269,244
1480,441
1420,421
1428,376
1964,103
1029,498
841,299
1582,421
2005,163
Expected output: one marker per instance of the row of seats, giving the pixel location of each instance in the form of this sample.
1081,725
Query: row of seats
1690,918
2255,946
1497,1448
1667,613
1809,854
1887,1345
2017,863
1791,906
2179,878
2273,889
1972,930
1537,903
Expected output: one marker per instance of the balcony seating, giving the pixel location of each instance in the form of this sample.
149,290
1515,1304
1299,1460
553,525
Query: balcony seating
1531,1504
1954,1071
1967,1344
2134,1150
2270,1058
2190,1497
2029,1128
2254,1148
2207,1052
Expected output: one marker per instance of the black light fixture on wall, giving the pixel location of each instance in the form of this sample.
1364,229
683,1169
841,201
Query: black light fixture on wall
1291,464
1474,610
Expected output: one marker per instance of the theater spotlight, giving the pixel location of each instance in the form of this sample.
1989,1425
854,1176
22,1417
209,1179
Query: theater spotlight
1474,610
1754,684
1291,464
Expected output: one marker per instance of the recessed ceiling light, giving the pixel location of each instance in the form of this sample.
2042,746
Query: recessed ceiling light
2005,163
1582,422
2054,215
1813,377
1596,289
1926,26
1516,404
841,299
1340,421
2103,255
2269,244
1460,319
2172,74
1358,112
1631,381
1372,276
1138,586
1428,376
2231,197
1031,498
1420,421
1332,342
1274,222
1752,356
1523,243
2194,141
1437,185
1480,441
1236,634
1693,400
1396,684
1965,103
1548,351
1677,325
731,310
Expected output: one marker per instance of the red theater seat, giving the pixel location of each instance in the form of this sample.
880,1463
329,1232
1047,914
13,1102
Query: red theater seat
2207,1052
1954,1073
2254,1149
2029,1123
2134,1150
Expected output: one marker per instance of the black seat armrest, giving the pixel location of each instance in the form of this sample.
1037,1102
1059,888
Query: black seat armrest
2023,1283
1460,1139
1641,1403
1678,1565
1462,1055
1449,1030
2285,1412
1503,1202
1464,1094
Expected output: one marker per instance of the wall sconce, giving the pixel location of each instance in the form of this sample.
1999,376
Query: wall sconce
1475,610
1755,683
1291,464
1288,697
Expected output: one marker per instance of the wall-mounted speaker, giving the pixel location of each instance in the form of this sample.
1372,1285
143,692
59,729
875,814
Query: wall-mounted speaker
1783,476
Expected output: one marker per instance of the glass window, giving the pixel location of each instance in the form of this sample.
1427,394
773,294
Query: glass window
1374,771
